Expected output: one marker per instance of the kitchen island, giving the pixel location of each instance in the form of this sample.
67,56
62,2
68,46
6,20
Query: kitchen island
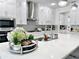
54,49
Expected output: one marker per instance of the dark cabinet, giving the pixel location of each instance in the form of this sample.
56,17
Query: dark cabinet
3,36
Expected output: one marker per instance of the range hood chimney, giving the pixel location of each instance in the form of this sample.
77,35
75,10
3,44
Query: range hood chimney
31,11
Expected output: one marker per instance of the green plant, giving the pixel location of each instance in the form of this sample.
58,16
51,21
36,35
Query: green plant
16,42
18,37
19,34
31,37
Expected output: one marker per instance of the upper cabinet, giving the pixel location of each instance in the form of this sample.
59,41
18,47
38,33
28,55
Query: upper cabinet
8,8
66,16
74,15
21,12
62,16
73,18
14,8
45,15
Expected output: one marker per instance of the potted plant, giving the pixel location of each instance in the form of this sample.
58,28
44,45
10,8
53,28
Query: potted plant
19,37
16,36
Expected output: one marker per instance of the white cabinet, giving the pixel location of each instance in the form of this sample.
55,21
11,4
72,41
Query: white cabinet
64,18
73,18
77,16
21,12
45,15
10,11
16,9
8,8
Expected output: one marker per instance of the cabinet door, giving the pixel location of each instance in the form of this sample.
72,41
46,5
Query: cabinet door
44,15
11,10
41,17
62,19
8,9
73,18
77,17
21,12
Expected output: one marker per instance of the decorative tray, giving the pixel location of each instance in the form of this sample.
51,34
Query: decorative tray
24,49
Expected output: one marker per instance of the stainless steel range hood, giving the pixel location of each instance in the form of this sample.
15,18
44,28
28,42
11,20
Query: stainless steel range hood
31,11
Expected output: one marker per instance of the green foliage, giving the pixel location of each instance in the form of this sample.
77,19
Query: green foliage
31,37
19,34
16,42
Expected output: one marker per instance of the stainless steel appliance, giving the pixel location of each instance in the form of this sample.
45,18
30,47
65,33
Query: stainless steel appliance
6,25
32,9
32,16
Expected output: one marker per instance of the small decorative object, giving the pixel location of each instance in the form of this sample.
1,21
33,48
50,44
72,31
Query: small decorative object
45,37
20,41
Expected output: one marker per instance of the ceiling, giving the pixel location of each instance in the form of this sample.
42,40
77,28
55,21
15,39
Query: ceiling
48,2
42,2
7,1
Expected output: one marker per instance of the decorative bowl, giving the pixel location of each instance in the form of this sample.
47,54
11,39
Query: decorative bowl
23,49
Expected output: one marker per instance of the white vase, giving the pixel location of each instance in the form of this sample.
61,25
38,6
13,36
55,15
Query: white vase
16,47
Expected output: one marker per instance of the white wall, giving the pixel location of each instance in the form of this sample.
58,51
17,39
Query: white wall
46,15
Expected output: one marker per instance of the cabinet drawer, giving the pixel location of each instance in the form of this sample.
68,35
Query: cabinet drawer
3,39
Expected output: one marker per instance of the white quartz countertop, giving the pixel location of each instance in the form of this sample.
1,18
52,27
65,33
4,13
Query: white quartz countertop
55,49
